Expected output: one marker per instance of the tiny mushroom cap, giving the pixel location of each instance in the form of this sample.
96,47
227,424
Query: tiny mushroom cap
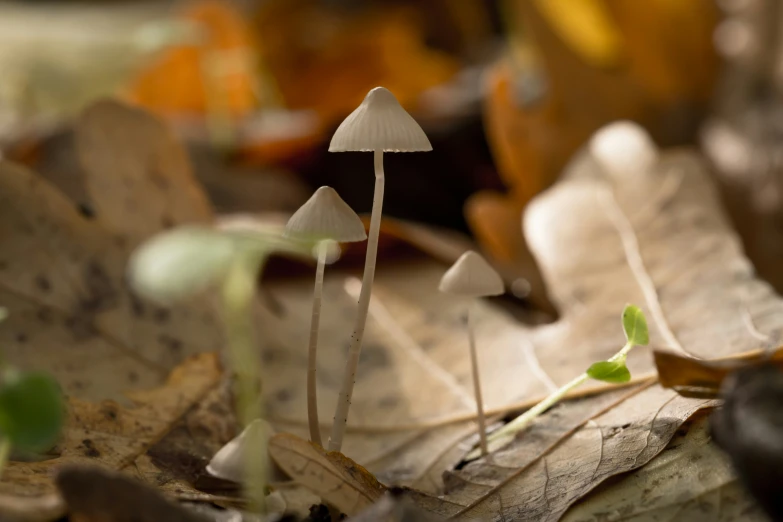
326,216
229,462
379,123
471,276
623,148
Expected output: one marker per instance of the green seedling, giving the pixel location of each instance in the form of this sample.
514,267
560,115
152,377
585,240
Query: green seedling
181,262
612,370
32,410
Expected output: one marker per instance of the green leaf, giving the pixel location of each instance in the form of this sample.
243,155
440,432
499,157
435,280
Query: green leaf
609,371
32,410
635,325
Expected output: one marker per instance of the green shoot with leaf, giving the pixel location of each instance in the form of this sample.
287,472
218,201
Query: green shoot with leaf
32,410
613,370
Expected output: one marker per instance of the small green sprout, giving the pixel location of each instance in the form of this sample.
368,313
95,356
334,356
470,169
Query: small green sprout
32,410
181,262
612,370
609,371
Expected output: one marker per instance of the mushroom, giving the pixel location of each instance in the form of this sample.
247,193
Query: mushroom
229,461
623,148
325,218
471,276
379,124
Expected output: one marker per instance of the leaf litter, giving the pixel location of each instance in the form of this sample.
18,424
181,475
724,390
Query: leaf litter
673,254
659,240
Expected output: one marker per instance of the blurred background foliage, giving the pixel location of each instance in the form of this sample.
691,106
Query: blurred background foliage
508,90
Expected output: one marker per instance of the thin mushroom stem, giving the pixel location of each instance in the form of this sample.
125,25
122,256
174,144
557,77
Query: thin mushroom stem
349,377
477,384
237,292
312,394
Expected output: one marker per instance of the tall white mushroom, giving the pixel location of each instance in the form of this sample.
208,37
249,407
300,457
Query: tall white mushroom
471,276
379,124
326,218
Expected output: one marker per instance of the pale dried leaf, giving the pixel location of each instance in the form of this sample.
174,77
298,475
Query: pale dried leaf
692,480
661,242
136,173
340,481
72,314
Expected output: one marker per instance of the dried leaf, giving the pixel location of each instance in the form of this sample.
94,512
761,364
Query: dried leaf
599,245
394,506
131,371
692,480
150,175
96,495
703,379
112,435
340,481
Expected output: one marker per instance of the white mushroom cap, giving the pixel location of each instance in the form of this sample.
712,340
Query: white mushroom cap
471,276
379,123
326,216
229,462
623,149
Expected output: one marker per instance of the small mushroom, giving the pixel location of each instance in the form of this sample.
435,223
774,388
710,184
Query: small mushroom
325,218
229,462
379,124
471,276
623,148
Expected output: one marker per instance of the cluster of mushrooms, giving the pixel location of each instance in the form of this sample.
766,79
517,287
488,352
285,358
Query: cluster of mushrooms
379,125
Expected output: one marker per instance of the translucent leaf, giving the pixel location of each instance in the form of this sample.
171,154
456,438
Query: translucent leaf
31,410
609,371
635,325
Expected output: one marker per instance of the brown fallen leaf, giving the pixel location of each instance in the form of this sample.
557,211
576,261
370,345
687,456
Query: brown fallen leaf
703,379
114,436
93,494
132,372
340,481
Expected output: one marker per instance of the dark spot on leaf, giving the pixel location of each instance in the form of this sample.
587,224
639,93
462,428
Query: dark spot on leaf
373,356
21,338
283,395
166,222
171,343
86,210
81,327
274,354
109,411
45,315
42,283
137,306
161,315
133,377
101,293
89,449
3,265
389,402
159,180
